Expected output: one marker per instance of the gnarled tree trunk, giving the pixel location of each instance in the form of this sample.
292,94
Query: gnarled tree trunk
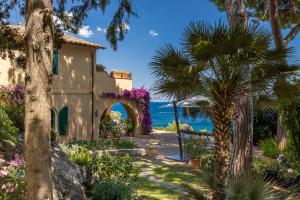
39,48
241,155
242,144
276,30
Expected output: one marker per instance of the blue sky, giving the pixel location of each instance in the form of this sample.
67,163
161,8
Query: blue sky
159,21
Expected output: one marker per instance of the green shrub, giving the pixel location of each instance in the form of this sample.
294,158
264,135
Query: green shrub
172,127
264,126
194,147
283,174
16,114
290,114
7,129
78,154
269,148
123,144
114,125
103,143
109,167
111,190
207,160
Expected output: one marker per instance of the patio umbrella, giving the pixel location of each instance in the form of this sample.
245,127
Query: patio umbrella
190,102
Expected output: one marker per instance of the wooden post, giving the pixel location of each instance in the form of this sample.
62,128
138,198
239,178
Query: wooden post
178,130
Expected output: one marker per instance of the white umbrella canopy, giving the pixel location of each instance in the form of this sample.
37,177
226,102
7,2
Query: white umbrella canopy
190,102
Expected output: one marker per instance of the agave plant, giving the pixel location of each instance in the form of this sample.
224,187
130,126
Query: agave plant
213,62
248,186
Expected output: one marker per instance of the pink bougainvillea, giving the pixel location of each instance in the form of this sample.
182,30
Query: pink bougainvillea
142,99
12,94
12,178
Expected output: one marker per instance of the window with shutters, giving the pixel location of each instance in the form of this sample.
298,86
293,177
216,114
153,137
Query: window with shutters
63,121
55,62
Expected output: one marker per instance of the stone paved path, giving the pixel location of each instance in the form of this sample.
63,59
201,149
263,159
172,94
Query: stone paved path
166,144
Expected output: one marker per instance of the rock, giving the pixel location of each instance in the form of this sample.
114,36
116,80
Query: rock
8,149
67,179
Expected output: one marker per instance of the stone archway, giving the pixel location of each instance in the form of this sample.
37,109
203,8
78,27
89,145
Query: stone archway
131,110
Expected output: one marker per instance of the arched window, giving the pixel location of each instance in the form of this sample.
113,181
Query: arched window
63,121
53,120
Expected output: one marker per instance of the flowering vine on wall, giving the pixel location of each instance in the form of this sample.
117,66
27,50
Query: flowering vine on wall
141,97
12,94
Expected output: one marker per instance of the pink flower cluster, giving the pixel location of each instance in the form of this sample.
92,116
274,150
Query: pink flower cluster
6,171
12,94
142,99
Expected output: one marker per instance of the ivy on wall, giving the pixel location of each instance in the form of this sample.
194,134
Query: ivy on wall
141,97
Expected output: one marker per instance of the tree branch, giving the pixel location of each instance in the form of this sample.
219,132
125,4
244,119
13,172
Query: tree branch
292,34
275,23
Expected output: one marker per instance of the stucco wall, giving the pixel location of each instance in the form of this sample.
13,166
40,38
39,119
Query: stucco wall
79,117
10,75
104,83
72,87
74,69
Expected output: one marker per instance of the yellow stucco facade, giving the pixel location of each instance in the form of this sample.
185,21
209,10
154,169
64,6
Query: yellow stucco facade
79,86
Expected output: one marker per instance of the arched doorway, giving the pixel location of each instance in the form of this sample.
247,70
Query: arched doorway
129,115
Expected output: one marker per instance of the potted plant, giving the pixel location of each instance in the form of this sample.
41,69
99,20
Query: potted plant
194,147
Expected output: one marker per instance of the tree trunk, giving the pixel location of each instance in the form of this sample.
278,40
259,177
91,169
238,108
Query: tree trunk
282,135
178,130
241,156
275,23
39,49
236,14
221,120
276,30
242,144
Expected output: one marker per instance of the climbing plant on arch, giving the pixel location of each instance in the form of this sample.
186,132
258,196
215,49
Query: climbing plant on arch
141,97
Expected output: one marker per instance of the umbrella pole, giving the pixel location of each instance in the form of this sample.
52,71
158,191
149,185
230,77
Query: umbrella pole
178,129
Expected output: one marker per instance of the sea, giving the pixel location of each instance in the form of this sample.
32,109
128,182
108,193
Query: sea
161,116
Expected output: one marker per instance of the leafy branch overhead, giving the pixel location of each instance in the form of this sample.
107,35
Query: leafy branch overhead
288,10
70,18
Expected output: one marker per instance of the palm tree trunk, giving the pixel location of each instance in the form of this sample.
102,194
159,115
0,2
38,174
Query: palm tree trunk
276,30
242,144
221,120
39,48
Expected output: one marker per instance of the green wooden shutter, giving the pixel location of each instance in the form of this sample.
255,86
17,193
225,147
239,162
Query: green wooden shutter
55,62
63,121
52,120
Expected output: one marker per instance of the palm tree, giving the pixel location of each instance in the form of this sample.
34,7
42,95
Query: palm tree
247,186
213,62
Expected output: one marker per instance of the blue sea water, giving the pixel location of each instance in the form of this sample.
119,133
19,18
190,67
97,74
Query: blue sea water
162,116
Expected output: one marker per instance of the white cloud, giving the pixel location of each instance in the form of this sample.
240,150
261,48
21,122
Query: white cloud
67,16
125,27
100,29
153,33
85,31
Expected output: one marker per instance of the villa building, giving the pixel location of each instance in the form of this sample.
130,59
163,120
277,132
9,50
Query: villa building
77,88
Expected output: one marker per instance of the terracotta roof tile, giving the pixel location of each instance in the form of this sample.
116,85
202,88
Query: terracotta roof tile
66,38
